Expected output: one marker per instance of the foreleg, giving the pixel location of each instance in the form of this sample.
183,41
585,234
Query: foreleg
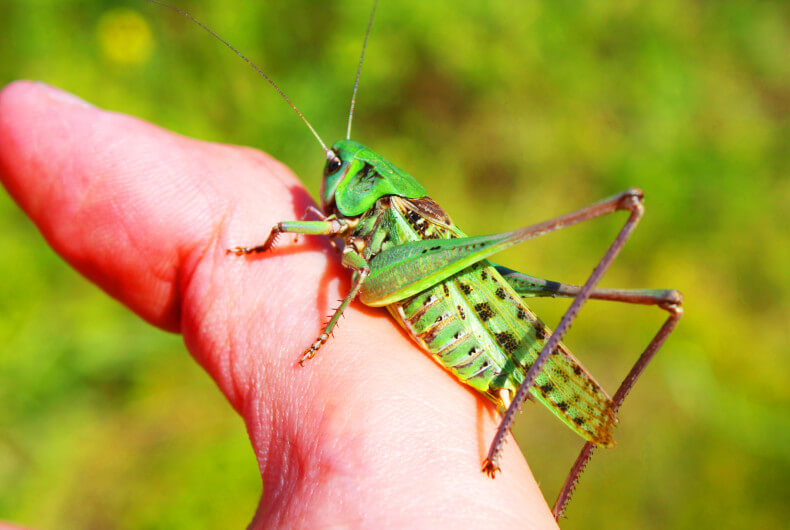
328,227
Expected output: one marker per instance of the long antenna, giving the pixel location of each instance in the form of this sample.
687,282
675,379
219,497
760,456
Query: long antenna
329,153
359,70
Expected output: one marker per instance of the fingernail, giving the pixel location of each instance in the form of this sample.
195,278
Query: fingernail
61,96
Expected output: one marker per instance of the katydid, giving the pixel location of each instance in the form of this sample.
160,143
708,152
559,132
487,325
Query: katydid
468,313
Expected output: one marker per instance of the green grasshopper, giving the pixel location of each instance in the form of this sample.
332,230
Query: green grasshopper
469,314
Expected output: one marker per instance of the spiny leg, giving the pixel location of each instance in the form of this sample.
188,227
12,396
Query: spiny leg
327,227
630,200
353,261
675,312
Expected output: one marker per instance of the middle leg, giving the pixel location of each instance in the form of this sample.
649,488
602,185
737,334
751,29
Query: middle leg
353,261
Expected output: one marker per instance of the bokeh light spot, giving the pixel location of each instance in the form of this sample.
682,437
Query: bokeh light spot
124,37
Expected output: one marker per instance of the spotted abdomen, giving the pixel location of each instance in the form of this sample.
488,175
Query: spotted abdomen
478,328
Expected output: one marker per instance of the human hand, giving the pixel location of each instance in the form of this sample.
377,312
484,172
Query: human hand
370,433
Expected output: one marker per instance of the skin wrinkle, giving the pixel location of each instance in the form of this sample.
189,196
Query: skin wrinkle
221,361
234,389
247,389
293,338
262,414
212,184
83,257
427,403
55,186
274,168
204,255
281,503
273,490
192,253
237,389
311,456
335,438
121,218
64,126
167,280
264,433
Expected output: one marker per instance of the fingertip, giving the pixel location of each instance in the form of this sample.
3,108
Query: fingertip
37,125
112,194
21,90
24,103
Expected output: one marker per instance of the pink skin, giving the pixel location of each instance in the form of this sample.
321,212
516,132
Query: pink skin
370,433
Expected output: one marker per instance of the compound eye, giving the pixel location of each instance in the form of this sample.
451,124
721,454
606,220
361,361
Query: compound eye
333,164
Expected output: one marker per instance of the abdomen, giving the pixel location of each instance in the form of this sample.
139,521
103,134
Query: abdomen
479,329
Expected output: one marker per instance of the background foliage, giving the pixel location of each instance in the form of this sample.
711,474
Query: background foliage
509,113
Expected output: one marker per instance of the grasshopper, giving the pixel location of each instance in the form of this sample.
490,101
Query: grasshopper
468,313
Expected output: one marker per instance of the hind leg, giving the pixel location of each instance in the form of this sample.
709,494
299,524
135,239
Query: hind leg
669,300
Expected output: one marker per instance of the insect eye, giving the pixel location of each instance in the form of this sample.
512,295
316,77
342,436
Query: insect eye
333,164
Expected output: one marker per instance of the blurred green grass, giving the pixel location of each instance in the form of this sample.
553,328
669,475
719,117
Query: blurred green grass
508,113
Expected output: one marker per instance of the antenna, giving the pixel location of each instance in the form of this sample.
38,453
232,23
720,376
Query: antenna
329,153
359,70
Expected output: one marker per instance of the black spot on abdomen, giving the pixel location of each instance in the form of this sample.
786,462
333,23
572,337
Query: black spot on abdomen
507,340
483,311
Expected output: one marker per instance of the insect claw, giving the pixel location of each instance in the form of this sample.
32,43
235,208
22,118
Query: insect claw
490,468
238,251
307,355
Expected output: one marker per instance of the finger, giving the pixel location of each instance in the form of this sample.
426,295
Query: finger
121,200
147,215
